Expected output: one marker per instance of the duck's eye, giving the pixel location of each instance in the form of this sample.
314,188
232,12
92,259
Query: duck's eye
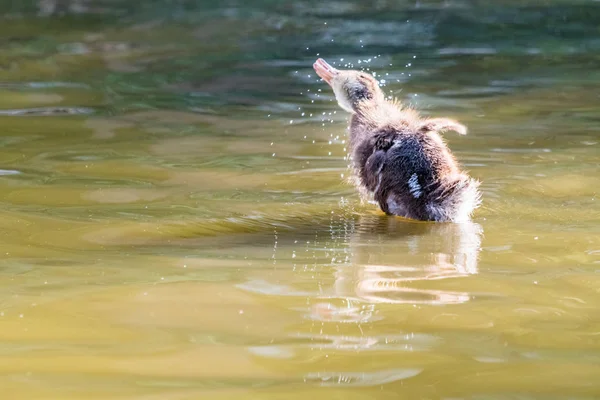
361,92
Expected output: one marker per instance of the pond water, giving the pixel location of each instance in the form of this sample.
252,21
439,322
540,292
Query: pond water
175,221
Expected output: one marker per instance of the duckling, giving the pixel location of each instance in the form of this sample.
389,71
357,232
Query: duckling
399,158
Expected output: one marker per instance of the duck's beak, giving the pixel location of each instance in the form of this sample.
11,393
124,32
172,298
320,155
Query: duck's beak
325,71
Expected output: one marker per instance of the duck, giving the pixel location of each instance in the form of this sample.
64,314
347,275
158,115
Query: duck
399,159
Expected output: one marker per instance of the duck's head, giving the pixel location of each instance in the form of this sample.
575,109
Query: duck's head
351,88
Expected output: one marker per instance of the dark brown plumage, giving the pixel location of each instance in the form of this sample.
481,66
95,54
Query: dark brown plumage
399,158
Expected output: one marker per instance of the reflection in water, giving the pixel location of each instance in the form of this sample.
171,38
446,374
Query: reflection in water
362,378
374,261
394,341
389,253
386,255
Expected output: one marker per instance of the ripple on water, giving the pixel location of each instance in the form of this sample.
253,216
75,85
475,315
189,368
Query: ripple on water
39,111
5,172
467,51
361,378
44,85
125,195
471,92
392,342
264,287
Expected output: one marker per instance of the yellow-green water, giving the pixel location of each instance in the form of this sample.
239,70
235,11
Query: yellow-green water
172,226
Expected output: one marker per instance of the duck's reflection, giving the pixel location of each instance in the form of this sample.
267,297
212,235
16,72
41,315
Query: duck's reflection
376,262
389,254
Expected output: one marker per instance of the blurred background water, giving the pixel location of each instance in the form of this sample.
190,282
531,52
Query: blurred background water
175,222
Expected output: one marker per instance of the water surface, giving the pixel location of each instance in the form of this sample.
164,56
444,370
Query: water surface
175,221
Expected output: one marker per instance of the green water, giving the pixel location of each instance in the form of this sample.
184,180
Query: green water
175,221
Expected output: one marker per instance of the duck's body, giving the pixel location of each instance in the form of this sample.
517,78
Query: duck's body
399,158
